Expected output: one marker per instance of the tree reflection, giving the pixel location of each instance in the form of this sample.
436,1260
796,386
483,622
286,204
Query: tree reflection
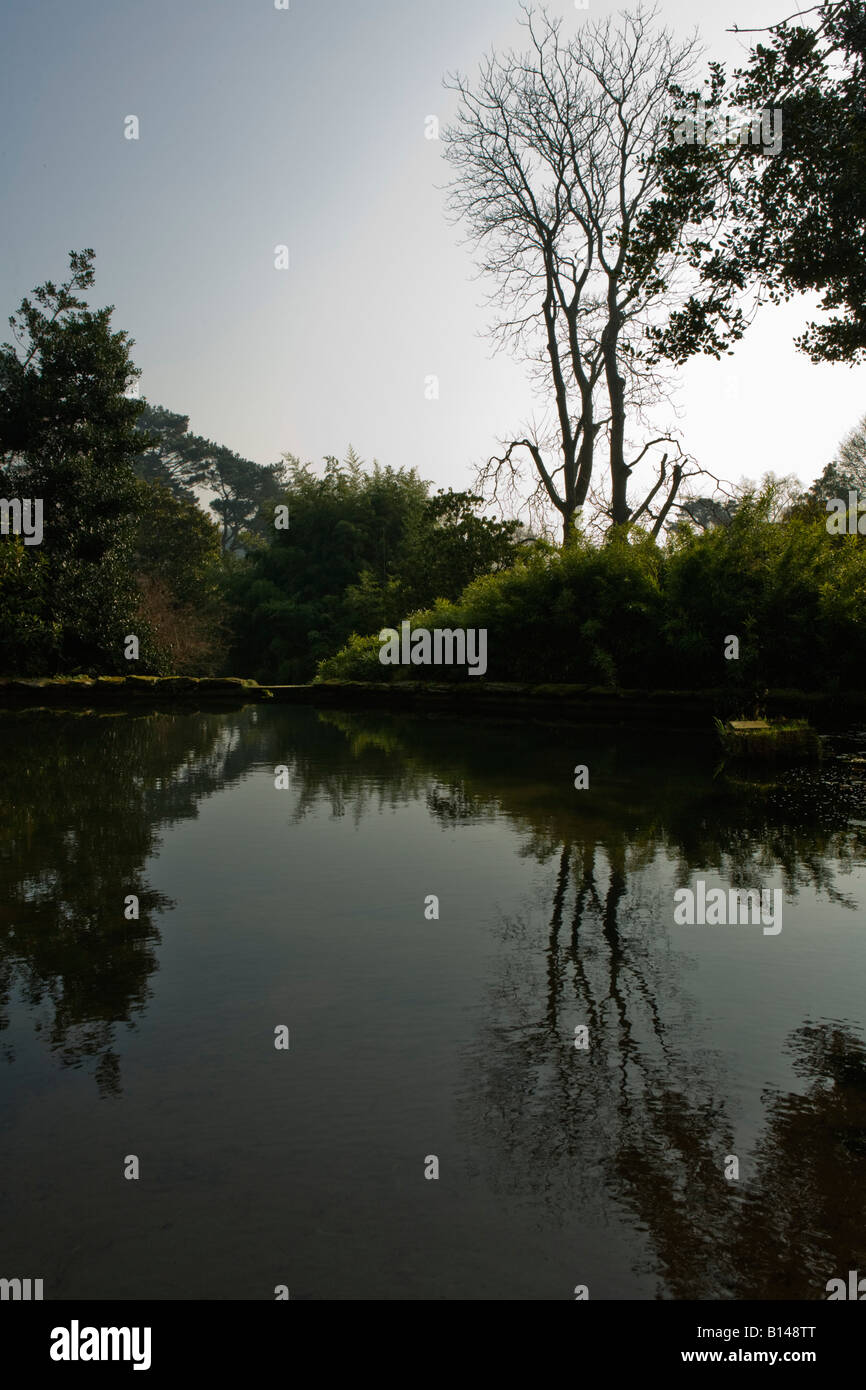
803,1218
642,1117
82,801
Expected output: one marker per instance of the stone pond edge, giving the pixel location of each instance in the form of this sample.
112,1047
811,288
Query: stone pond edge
689,707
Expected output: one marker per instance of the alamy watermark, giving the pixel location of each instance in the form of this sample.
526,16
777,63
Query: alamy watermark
697,125
21,1290
76,1343
23,517
736,907
443,646
846,519
855,1289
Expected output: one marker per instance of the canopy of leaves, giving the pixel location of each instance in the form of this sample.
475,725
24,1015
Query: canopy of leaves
776,223
68,437
359,547
187,462
179,570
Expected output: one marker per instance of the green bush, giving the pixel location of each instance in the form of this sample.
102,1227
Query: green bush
361,550
635,614
29,638
793,594
580,615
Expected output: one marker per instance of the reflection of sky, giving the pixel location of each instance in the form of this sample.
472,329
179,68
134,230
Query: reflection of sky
411,1037
306,127
750,997
323,887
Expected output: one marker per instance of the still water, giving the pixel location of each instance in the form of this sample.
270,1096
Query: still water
414,1037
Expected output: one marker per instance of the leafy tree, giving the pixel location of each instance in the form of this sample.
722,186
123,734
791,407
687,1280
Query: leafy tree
243,490
177,543
188,462
361,549
446,545
172,455
704,512
844,474
289,595
847,471
68,437
777,221
178,567
449,544
29,637
584,614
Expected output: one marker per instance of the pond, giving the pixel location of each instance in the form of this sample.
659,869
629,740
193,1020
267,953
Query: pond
510,1073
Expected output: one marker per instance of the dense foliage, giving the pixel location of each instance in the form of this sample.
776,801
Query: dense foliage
180,574
68,438
780,217
357,549
188,463
118,556
636,614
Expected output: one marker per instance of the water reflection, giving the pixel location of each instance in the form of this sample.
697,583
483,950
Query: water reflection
803,1218
82,802
643,1119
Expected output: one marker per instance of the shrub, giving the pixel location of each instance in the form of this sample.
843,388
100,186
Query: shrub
635,614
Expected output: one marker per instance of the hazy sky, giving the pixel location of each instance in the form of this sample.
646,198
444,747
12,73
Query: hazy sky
305,127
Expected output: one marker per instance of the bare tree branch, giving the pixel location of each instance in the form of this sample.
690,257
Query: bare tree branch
551,152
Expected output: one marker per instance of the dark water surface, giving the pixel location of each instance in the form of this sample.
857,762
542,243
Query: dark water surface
413,1037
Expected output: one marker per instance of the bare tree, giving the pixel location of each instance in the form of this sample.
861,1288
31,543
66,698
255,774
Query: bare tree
552,158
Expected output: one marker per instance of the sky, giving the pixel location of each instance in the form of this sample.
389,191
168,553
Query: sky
305,127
